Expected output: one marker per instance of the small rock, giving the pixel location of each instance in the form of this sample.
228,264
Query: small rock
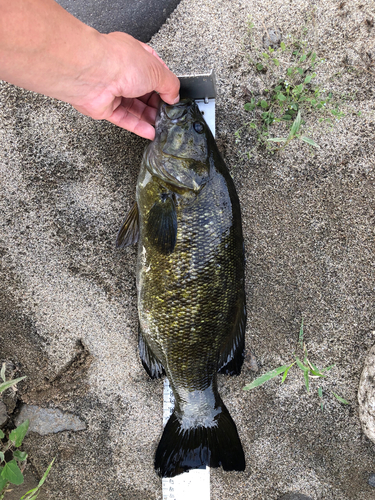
47,420
3,414
294,496
371,480
272,38
251,362
366,396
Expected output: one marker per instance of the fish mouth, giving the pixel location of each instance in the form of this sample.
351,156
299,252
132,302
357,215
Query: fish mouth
171,114
172,128
176,112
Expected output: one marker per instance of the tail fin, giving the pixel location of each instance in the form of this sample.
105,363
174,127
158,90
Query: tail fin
182,449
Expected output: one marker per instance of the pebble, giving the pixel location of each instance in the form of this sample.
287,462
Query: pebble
48,420
371,480
252,362
272,38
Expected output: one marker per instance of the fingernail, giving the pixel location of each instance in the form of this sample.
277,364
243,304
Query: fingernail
176,100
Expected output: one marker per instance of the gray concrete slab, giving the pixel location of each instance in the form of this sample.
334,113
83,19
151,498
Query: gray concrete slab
139,18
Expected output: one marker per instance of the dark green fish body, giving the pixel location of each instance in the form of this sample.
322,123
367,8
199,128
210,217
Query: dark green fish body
190,282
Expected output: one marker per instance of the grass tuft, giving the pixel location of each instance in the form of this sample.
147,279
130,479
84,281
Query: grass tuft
290,93
307,367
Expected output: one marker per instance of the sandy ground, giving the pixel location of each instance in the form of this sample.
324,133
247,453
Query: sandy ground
68,298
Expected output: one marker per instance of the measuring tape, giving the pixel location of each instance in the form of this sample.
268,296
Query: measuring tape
194,484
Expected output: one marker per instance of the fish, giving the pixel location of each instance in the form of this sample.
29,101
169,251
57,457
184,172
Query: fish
190,272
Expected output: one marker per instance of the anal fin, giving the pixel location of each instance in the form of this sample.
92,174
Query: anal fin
151,364
233,354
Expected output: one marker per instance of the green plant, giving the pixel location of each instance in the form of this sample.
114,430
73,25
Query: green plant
33,493
11,471
306,366
288,74
294,134
12,459
7,383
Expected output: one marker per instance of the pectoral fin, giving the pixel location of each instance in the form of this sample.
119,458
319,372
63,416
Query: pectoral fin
162,224
129,230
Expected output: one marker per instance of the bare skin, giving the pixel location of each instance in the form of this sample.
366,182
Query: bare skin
110,77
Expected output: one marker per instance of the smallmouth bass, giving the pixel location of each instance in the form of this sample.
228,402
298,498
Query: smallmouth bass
190,286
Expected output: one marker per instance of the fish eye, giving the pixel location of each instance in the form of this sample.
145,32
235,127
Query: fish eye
198,127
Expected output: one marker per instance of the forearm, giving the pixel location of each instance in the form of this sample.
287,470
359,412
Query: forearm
43,48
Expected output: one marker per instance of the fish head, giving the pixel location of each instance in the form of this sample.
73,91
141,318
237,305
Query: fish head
180,151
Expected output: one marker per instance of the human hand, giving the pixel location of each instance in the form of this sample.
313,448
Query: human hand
135,81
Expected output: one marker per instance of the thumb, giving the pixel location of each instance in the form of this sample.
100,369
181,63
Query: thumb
168,85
